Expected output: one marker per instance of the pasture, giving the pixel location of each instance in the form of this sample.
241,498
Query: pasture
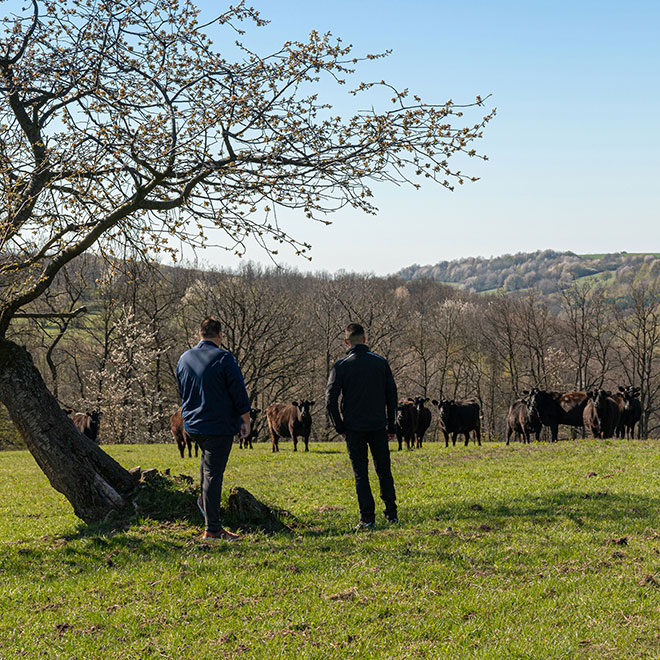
545,550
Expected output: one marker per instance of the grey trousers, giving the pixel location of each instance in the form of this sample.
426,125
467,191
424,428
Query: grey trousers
215,454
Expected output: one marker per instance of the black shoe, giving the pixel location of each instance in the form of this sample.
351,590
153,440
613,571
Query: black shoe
393,520
364,526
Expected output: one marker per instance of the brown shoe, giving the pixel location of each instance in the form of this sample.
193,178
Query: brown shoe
222,535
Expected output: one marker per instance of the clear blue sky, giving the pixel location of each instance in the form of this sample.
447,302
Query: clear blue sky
574,150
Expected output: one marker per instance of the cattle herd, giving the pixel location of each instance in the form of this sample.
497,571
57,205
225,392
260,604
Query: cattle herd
601,413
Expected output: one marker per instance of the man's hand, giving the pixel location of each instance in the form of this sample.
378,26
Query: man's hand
246,425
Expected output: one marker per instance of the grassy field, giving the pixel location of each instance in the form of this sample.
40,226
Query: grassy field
545,551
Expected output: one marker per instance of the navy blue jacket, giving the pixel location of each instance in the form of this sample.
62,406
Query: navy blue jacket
368,393
213,394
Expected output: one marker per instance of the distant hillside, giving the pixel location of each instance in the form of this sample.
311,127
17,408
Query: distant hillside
546,270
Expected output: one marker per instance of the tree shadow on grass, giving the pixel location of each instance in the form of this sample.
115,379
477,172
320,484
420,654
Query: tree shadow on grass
163,518
595,510
621,513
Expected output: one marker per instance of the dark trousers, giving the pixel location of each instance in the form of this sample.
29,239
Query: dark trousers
358,444
215,454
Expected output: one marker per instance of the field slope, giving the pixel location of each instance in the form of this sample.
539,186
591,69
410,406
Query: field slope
546,551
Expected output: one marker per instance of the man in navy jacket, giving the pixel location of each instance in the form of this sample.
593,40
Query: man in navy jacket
367,420
215,407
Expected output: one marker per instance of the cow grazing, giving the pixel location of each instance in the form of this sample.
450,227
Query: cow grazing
631,411
522,421
423,419
555,408
459,417
180,436
243,443
406,423
601,414
87,423
290,420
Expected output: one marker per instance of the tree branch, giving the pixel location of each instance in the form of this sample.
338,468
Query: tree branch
51,315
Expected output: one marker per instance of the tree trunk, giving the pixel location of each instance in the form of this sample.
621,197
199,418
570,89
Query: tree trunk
92,481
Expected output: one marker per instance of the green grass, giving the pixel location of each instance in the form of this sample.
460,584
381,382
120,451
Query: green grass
502,552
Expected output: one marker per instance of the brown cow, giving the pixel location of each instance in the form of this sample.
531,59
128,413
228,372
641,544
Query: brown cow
601,414
290,420
180,436
522,421
406,423
87,423
459,417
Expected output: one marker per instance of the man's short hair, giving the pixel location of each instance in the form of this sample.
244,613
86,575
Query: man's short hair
354,333
210,328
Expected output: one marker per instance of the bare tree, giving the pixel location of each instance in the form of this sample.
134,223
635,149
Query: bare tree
259,327
586,332
537,324
638,330
501,332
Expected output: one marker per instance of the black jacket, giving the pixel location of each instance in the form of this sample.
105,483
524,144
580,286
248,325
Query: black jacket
368,391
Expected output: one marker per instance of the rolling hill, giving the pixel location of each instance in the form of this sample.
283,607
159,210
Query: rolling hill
548,271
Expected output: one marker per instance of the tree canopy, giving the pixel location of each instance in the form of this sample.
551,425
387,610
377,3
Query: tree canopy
122,125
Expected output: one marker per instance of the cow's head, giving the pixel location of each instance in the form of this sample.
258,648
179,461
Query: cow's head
600,398
420,401
632,396
404,412
444,406
253,413
304,408
543,403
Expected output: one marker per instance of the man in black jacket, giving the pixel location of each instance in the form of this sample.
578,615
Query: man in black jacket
367,420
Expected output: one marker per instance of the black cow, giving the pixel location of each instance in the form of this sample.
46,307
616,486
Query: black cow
423,419
406,423
459,417
555,408
290,420
243,443
87,423
522,421
631,411
601,414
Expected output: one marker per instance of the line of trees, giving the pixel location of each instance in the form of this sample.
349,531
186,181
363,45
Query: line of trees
286,330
